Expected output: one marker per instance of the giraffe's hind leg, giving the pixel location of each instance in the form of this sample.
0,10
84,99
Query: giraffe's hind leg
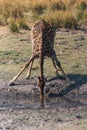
29,71
54,64
25,66
57,62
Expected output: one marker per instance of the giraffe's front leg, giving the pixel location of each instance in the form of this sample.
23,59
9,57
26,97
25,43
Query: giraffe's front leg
41,85
16,77
29,71
41,81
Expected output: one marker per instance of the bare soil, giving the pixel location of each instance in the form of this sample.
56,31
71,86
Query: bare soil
65,104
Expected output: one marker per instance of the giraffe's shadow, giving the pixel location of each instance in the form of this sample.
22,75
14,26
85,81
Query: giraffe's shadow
58,86
77,81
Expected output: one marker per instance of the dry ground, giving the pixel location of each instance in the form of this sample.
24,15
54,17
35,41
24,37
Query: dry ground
65,105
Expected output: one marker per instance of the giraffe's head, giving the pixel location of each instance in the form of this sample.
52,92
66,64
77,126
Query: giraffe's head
41,82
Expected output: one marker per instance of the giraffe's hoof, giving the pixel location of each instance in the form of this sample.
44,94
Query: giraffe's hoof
11,83
57,74
41,106
27,76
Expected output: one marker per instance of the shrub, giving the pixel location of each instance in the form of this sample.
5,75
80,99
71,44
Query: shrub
82,5
13,26
38,9
57,6
11,9
85,14
4,11
2,20
69,22
22,24
79,15
16,12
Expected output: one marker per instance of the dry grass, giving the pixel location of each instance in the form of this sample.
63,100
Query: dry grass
67,20
69,12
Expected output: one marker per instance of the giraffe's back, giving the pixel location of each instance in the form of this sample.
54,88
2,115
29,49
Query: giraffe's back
43,35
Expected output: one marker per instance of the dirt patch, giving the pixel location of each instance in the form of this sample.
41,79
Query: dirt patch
19,106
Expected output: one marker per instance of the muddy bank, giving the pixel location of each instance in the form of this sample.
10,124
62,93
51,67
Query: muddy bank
19,106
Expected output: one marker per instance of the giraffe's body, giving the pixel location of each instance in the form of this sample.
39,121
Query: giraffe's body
42,35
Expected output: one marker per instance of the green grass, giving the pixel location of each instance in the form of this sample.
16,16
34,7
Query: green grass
70,47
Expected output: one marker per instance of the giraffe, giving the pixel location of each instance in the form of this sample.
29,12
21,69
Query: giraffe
42,36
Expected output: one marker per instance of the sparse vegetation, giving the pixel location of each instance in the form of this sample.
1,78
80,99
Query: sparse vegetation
57,5
13,26
66,21
82,6
66,14
22,23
